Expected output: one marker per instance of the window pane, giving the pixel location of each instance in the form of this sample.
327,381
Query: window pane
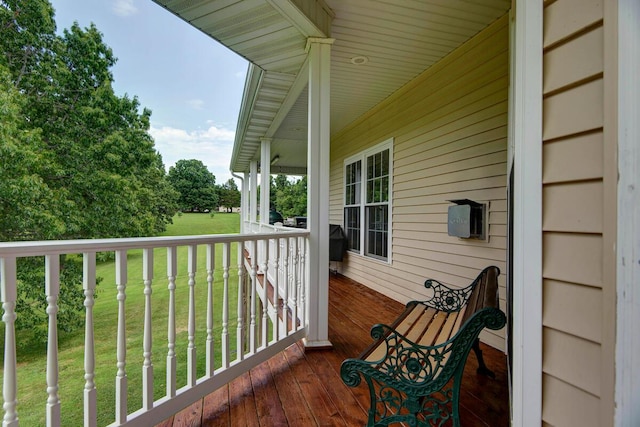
352,183
378,177
384,192
352,227
385,162
377,231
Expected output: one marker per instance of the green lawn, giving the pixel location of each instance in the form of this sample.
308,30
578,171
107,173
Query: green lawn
32,368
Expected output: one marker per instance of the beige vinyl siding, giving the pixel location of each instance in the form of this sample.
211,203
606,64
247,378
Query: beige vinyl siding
577,332
450,142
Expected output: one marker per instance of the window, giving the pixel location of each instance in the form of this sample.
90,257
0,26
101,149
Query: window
367,209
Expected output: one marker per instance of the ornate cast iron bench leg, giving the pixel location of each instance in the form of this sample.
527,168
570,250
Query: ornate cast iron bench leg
482,367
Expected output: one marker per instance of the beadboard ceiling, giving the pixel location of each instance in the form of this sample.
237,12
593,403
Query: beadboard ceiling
394,41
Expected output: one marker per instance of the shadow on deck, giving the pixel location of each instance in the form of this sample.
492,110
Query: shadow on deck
299,389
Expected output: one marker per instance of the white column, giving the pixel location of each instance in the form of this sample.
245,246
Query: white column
527,214
253,188
244,202
265,184
319,51
627,392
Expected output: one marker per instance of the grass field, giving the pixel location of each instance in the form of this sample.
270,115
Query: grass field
32,364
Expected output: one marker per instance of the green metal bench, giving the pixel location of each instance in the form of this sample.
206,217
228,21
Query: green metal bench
409,366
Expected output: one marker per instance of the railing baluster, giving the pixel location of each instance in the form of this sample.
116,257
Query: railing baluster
147,366
265,297
303,281
52,290
211,259
121,375
172,268
287,280
241,292
252,297
10,384
294,284
226,252
191,347
89,286
241,307
276,291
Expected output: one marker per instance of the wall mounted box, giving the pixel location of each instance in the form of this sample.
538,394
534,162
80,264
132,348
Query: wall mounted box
467,219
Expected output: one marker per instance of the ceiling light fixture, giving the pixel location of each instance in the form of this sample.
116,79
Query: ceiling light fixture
359,60
275,159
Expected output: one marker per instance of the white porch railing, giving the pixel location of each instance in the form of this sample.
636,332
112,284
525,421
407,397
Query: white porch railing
254,320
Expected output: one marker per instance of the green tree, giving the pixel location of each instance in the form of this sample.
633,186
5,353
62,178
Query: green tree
98,144
23,168
196,185
229,195
76,161
289,197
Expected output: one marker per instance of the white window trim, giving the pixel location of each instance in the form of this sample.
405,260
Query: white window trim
362,155
526,135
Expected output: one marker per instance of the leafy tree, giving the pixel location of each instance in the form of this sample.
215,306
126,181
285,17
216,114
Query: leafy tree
23,190
289,197
196,185
76,161
229,195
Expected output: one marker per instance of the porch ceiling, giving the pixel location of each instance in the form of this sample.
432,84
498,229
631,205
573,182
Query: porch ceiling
398,41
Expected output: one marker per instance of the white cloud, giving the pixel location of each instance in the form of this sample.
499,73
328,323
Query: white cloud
213,146
124,7
196,104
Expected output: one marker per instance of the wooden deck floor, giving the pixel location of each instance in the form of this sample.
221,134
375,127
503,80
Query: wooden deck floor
299,389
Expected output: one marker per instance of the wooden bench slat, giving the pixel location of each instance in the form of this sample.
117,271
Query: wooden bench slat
447,333
377,352
418,316
448,329
458,324
428,333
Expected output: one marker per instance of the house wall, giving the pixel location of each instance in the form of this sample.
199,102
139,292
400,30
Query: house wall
578,216
450,142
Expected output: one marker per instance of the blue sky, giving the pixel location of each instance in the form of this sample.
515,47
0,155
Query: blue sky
192,84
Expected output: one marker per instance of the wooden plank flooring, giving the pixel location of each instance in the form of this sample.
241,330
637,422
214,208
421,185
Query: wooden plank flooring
299,389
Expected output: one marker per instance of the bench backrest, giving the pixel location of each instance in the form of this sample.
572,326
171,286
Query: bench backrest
485,292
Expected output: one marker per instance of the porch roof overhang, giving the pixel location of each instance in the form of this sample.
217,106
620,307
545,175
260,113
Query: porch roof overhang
379,47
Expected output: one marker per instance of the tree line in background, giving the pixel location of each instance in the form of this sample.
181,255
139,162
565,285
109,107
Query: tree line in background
289,197
197,189
77,160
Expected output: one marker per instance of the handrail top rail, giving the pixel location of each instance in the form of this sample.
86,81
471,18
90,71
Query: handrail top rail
52,247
